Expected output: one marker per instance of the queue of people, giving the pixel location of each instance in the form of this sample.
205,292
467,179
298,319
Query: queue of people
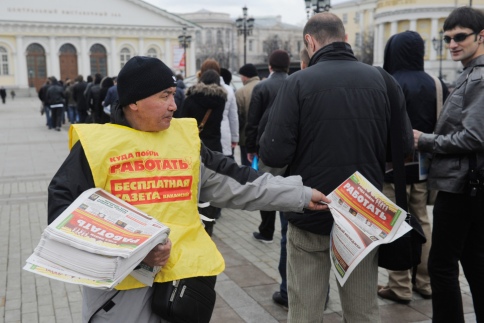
316,127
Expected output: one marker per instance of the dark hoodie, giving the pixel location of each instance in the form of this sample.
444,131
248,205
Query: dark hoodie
404,60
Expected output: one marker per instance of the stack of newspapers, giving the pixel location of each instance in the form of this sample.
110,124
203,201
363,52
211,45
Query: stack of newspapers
97,241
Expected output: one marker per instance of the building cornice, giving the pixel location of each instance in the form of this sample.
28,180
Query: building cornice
413,11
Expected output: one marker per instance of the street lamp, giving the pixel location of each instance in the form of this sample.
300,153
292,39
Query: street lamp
244,27
185,41
317,6
438,46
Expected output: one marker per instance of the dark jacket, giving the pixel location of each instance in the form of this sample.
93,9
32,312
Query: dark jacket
200,98
404,60
78,95
55,94
325,124
262,97
179,97
43,92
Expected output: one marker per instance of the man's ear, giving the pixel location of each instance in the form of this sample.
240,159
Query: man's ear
133,106
310,41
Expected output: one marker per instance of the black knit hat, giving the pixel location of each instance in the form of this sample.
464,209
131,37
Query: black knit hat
279,58
142,77
248,70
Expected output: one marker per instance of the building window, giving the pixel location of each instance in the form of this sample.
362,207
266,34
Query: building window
251,45
227,38
219,37
357,17
3,61
299,46
209,37
198,37
124,57
345,18
358,40
99,59
152,53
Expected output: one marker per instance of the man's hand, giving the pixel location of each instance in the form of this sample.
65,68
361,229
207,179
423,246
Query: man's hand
416,135
317,200
234,144
250,156
158,256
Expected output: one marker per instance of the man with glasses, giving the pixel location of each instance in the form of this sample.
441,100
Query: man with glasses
457,171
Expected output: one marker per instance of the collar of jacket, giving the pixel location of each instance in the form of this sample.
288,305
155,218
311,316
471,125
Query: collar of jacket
478,61
332,52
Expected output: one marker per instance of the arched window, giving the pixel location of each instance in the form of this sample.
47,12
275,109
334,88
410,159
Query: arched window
98,58
152,53
36,65
219,37
68,62
124,56
198,37
3,61
209,37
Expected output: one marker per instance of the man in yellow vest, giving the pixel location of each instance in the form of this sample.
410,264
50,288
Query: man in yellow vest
157,163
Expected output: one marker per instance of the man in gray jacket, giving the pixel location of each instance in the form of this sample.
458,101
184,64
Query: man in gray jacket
457,145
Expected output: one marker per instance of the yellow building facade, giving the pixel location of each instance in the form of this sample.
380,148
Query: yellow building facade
375,21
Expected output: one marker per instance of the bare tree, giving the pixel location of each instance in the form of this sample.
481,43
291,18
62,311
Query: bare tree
366,45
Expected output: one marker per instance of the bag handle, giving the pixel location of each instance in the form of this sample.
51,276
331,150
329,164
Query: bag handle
204,120
396,142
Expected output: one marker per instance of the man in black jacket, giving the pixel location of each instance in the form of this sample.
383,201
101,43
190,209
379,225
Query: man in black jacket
261,99
325,124
78,96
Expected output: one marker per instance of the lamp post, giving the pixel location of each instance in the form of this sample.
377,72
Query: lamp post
244,27
184,40
438,46
317,6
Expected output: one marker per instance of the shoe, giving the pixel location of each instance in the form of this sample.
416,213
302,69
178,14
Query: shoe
58,129
424,295
387,293
261,238
279,300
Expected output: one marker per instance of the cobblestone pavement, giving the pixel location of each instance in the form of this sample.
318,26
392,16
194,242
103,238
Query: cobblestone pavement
30,155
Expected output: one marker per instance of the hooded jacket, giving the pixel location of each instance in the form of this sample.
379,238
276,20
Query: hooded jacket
404,60
200,98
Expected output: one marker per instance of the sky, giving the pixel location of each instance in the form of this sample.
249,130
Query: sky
291,11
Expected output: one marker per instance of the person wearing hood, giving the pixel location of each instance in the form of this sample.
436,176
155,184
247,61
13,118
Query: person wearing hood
404,60
140,158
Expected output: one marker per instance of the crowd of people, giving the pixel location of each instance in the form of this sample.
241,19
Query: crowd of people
309,131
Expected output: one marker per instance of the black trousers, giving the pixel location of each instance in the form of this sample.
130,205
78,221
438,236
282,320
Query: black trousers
457,235
268,223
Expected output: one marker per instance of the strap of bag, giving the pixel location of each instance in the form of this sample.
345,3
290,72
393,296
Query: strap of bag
438,89
204,120
396,141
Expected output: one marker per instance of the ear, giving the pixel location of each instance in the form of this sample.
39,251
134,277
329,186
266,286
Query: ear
310,41
133,106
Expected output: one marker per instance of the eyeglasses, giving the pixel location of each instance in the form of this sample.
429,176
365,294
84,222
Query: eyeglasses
457,38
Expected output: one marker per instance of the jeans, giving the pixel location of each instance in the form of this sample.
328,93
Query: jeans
283,256
243,156
72,113
48,117
457,236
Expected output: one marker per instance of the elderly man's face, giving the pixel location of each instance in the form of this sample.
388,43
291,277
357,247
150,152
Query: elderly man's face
155,112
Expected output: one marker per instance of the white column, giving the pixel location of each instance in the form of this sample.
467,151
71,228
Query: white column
413,24
141,47
192,62
53,61
380,45
433,33
393,28
85,62
114,61
21,73
168,59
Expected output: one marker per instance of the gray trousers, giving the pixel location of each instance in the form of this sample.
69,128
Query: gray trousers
308,270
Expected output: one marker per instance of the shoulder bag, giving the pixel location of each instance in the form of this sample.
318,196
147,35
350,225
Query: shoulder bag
189,300
405,252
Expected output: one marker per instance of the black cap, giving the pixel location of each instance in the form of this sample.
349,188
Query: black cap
248,70
142,77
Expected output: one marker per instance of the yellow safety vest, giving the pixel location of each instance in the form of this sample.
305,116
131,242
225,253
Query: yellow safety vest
158,172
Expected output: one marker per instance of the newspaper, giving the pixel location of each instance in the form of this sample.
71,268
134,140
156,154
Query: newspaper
363,219
97,241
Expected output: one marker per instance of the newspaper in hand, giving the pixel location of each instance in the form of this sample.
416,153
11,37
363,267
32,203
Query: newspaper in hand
97,241
363,219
